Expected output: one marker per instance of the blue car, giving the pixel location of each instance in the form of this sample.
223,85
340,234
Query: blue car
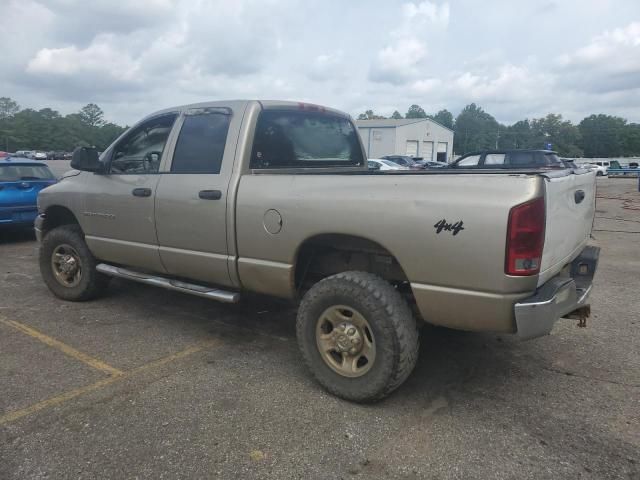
20,182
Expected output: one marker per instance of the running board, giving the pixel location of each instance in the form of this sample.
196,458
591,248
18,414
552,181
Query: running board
171,284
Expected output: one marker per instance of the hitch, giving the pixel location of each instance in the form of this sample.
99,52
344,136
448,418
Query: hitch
581,314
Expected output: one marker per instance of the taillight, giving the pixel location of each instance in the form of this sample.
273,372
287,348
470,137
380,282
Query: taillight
525,238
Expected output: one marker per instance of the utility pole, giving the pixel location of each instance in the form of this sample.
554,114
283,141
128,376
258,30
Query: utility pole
497,138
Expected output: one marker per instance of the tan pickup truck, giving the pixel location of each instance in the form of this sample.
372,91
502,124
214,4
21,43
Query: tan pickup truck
218,198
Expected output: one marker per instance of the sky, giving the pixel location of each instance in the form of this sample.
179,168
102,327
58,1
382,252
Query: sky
517,59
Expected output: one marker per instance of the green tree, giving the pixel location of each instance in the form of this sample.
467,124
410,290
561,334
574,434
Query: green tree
631,140
444,118
475,129
369,115
561,134
92,115
416,111
517,135
396,115
602,135
8,108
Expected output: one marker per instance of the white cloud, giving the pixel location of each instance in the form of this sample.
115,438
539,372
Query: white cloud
609,63
136,57
399,62
426,12
403,58
100,58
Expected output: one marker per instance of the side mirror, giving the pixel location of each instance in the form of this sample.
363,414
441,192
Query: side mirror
86,159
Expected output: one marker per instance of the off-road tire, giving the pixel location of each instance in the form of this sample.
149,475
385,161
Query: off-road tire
394,331
91,283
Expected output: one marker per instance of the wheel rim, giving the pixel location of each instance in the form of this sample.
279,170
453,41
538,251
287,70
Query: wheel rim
345,341
66,265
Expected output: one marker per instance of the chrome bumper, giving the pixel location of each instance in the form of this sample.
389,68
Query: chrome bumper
37,225
559,297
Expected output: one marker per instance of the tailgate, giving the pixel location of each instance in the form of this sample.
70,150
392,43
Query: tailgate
570,208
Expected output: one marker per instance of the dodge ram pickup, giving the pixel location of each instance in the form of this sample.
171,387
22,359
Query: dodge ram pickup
220,198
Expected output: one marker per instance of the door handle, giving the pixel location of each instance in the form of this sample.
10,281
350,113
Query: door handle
210,194
578,196
141,192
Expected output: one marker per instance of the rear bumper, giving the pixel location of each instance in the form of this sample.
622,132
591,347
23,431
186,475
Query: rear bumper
559,297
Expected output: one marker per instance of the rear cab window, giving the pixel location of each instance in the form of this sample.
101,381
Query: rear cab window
303,139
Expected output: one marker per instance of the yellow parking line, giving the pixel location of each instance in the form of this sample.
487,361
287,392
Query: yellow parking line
64,397
64,348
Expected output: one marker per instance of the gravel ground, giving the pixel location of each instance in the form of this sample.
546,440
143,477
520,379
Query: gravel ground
172,386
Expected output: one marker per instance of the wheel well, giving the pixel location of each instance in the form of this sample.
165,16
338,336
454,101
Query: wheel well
325,255
56,216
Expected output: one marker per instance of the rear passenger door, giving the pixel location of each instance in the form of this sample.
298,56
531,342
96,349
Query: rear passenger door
191,199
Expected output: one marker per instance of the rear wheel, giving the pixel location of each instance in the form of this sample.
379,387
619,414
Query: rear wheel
357,335
68,267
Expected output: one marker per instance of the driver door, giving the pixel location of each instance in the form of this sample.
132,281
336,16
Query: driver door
119,205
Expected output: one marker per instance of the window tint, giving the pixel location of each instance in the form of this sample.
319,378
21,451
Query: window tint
200,146
16,173
390,163
552,159
469,161
141,150
289,139
494,159
522,159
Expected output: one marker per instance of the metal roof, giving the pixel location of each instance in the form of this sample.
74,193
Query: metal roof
392,122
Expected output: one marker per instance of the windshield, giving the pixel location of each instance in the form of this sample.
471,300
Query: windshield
16,173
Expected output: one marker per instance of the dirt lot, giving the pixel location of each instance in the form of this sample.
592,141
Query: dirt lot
145,383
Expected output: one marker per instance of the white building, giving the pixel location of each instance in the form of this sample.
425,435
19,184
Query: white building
416,137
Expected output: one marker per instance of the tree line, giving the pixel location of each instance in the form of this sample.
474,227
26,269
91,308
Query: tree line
595,136
48,130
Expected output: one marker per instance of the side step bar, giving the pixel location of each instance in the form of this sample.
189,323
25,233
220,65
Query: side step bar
177,285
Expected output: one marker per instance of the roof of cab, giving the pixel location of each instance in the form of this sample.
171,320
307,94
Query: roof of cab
239,104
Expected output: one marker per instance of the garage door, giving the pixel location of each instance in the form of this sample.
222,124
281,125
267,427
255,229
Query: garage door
427,151
412,148
442,151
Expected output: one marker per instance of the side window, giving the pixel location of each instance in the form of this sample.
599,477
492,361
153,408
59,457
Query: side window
141,150
494,159
470,161
201,142
522,159
298,138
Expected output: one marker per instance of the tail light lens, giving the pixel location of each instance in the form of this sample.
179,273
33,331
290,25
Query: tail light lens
525,238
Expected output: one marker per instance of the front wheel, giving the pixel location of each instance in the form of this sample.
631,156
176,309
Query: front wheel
357,336
68,267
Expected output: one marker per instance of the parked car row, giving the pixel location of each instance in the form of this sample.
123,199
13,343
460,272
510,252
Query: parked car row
402,162
38,155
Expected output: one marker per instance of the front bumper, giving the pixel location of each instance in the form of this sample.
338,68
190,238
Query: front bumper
559,297
23,215
38,225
